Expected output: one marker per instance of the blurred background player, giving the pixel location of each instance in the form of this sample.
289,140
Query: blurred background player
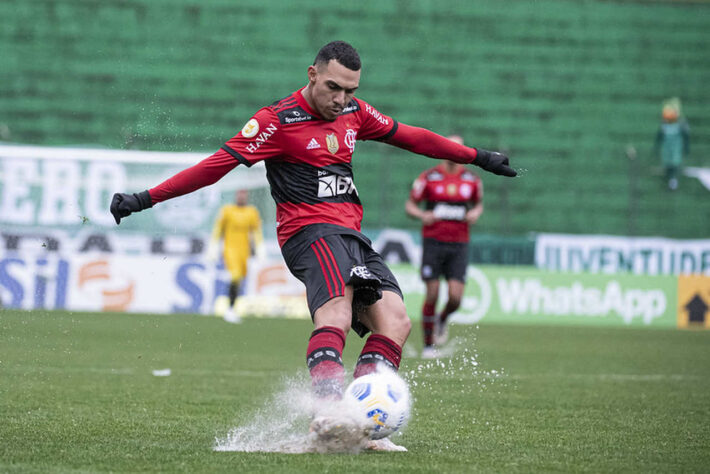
239,226
672,141
452,197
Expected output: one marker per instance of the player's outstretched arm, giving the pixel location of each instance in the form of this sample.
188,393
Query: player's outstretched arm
425,142
204,173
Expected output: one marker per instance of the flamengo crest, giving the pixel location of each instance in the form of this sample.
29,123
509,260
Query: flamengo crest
350,136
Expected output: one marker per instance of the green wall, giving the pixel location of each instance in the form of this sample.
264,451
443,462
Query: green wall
566,87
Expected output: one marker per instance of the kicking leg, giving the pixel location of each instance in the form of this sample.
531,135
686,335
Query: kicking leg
390,326
325,347
333,430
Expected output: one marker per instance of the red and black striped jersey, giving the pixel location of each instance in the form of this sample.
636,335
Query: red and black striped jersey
449,196
308,159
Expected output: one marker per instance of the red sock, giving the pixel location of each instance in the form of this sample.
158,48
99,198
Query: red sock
428,320
378,349
324,359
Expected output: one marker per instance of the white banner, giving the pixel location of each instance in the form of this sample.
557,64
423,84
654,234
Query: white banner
613,254
97,281
61,249
71,189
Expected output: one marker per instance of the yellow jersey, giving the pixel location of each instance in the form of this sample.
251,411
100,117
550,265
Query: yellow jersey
239,227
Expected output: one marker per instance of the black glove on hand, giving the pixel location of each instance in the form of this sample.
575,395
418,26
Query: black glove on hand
494,162
123,205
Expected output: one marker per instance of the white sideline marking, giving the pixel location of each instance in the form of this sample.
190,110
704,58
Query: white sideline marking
128,371
426,374
615,377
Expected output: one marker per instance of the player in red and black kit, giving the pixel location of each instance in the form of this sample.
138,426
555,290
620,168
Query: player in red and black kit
452,197
306,141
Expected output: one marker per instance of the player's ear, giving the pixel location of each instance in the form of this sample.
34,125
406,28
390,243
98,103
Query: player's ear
312,73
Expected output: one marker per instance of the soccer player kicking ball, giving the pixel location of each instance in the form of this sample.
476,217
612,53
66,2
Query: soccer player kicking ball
453,202
307,140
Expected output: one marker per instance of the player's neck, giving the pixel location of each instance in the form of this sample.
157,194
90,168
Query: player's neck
449,168
306,94
305,100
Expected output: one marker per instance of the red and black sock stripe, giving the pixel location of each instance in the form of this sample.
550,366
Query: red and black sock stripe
428,321
378,349
325,363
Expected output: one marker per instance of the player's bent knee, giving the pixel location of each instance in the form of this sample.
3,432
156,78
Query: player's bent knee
335,312
398,320
389,318
405,326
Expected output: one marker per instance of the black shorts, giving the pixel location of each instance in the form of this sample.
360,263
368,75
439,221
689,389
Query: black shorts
322,256
449,259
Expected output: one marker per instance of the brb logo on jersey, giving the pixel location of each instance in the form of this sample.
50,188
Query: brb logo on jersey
331,185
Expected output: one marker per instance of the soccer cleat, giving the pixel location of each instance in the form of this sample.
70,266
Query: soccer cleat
430,352
441,333
232,317
384,444
337,434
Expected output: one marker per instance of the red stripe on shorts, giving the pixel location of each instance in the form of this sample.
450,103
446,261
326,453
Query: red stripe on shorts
325,274
321,245
340,277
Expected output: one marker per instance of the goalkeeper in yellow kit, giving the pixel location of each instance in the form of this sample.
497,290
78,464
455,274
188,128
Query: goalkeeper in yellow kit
239,225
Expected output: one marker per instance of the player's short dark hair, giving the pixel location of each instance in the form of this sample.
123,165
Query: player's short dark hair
342,52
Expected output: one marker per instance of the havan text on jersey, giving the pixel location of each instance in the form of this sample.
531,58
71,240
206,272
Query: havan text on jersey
261,138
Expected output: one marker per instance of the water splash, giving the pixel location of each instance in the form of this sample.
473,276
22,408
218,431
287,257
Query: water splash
281,425
458,361
458,367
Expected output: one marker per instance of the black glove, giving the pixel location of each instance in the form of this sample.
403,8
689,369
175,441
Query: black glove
123,205
494,162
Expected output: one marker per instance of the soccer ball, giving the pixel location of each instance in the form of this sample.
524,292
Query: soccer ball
382,401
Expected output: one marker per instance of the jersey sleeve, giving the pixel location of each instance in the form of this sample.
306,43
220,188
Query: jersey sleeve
373,124
258,140
206,172
425,142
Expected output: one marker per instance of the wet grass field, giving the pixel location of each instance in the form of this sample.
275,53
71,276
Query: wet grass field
78,394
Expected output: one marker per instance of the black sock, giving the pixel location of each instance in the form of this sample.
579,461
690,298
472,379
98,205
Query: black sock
233,292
